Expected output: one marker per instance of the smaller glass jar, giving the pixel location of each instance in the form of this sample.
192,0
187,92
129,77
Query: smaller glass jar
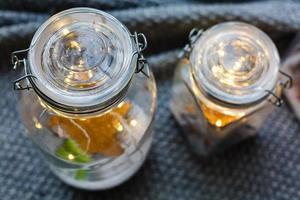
87,107
224,83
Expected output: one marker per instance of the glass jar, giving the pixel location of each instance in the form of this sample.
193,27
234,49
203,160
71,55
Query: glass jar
224,83
91,98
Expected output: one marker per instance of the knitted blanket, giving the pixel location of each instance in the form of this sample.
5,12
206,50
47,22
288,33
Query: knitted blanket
265,167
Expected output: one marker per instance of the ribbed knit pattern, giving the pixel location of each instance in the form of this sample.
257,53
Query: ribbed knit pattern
263,168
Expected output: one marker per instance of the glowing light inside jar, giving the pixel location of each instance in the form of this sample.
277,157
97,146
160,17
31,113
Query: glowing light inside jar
71,157
37,124
82,56
65,31
133,122
219,118
236,63
219,123
119,127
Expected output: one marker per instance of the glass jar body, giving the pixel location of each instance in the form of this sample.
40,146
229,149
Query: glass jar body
99,150
211,125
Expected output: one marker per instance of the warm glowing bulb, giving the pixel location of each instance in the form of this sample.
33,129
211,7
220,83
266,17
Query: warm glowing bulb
121,104
219,123
133,122
90,74
71,157
237,65
67,80
81,62
66,31
221,52
119,127
75,45
37,124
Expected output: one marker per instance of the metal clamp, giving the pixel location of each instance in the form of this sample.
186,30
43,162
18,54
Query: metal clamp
193,37
141,44
276,101
288,83
21,83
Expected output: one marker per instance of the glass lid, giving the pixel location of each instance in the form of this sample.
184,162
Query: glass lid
81,59
235,62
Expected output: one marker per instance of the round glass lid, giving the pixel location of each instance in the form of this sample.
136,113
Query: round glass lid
235,62
81,58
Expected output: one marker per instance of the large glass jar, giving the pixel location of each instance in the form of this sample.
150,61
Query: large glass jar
91,99
226,84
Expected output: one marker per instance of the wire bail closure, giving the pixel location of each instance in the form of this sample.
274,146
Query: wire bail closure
286,84
21,83
194,35
142,63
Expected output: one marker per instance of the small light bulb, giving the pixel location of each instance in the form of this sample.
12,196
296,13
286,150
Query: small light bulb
90,74
37,124
66,31
221,52
67,80
71,157
119,127
81,62
219,123
133,122
120,104
75,45
237,65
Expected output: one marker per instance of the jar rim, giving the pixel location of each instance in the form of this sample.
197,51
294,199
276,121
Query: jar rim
119,52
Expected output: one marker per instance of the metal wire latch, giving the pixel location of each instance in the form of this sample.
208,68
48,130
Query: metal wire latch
21,83
141,44
193,37
286,84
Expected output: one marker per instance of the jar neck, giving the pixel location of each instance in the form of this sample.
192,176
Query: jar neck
202,96
81,112
219,101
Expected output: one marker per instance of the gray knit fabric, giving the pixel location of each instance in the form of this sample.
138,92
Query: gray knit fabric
265,167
